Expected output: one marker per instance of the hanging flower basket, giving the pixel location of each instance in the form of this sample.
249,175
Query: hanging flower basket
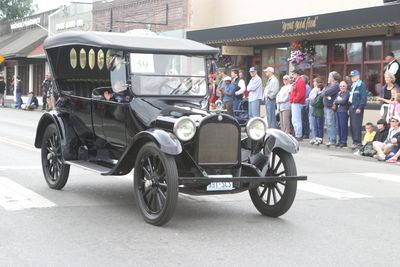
301,51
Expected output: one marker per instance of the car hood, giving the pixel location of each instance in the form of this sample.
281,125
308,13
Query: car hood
157,112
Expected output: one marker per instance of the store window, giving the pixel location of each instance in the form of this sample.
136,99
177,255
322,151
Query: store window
354,52
373,51
338,52
320,65
373,79
276,58
393,46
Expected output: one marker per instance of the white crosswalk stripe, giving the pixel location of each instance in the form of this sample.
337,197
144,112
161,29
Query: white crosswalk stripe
16,197
381,176
328,191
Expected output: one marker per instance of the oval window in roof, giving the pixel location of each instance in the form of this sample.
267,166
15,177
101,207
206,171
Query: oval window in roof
100,59
73,60
92,58
108,59
82,58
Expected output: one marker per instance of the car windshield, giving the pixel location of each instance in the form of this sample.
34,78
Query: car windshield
156,74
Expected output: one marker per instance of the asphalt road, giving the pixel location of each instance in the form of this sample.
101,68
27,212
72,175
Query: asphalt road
346,214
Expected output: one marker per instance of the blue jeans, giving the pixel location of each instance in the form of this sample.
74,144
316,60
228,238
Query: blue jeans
18,100
319,127
236,103
305,122
296,119
270,107
330,122
254,108
311,119
342,119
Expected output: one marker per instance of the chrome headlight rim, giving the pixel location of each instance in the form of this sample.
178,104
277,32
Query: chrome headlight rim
178,123
248,128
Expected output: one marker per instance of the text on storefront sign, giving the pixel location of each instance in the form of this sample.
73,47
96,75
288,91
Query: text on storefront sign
25,23
69,24
302,24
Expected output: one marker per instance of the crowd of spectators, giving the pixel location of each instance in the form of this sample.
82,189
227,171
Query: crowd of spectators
336,106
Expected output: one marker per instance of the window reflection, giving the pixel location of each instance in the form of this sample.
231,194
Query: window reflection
354,52
373,50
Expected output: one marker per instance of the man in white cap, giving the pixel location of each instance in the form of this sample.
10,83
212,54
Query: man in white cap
255,93
270,92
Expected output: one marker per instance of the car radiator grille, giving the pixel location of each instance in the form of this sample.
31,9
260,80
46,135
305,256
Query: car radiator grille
218,144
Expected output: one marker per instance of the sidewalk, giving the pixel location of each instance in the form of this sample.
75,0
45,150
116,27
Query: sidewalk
9,102
347,150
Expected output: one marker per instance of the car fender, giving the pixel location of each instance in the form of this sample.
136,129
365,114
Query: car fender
65,131
167,142
275,138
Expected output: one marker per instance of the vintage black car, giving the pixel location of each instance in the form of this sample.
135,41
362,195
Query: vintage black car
140,102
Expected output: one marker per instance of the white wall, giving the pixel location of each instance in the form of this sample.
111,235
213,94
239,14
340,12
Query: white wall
218,13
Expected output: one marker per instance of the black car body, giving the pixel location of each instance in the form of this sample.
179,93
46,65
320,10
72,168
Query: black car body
140,102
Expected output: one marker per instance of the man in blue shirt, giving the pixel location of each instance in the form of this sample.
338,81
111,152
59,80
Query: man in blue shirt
227,94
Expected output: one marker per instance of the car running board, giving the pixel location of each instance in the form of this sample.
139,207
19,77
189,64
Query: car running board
90,166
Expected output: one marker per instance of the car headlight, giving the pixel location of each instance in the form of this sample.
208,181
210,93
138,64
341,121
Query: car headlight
185,128
256,129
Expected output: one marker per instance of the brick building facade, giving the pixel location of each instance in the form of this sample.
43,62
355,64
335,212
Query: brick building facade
155,15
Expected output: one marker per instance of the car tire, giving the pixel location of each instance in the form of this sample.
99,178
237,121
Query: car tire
55,170
275,199
155,184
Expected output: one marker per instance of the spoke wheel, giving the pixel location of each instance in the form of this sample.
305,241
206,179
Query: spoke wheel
55,171
275,199
155,184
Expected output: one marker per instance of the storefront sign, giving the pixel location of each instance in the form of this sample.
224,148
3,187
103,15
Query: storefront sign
24,23
2,59
237,50
69,24
300,24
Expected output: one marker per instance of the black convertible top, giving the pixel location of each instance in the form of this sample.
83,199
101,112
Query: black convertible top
133,43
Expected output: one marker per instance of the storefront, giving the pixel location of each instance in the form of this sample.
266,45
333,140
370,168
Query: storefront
19,44
341,41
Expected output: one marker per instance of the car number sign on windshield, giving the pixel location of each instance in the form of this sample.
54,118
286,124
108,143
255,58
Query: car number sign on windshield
142,63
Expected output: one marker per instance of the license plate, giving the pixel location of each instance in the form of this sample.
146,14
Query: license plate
220,186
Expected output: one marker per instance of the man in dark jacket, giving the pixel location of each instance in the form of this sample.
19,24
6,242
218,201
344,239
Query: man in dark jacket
18,91
358,101
329,94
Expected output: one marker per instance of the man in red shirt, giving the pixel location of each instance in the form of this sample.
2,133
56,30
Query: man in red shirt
297,99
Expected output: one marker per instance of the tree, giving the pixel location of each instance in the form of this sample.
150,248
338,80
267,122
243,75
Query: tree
14,9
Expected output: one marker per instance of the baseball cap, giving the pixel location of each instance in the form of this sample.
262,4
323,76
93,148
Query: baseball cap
270,69
252,69
354,73
227,78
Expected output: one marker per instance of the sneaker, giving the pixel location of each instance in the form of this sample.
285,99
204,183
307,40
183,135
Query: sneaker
328,144
318,141
313,141
380,157
357,153
342,145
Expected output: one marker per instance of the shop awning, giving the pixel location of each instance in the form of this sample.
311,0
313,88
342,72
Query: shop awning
20,44
326,25
37,52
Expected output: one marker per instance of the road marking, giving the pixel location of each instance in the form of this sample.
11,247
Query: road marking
34,167
18,144
381,176
329,191
16,197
